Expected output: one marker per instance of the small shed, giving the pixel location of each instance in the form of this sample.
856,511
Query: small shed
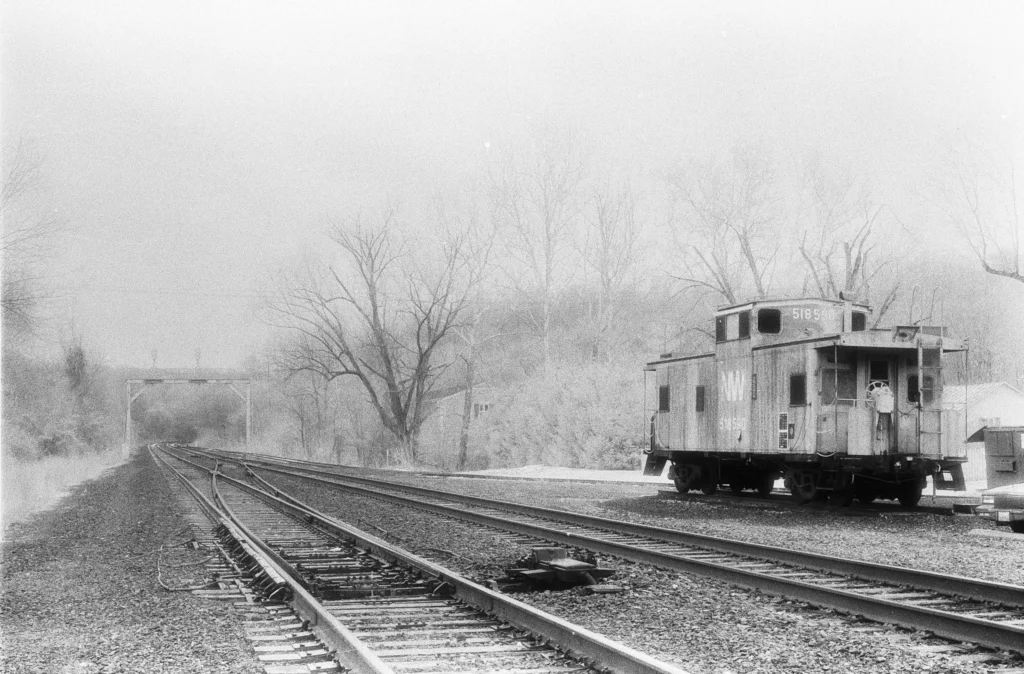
1004,454
445,411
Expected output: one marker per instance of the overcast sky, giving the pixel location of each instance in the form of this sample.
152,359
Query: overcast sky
195,147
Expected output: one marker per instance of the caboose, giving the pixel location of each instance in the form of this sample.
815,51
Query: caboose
803,389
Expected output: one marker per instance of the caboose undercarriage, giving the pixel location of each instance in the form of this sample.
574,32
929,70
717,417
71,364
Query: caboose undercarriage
838,479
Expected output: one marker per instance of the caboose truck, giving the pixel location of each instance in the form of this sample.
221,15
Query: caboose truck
802,389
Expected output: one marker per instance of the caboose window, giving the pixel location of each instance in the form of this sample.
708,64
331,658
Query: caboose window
838,385
732,326
700,398
769,321
663,399
860,321
798,389
914,391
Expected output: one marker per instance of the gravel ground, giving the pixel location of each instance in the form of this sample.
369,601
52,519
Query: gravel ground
80,592
699,624
67,574
940,543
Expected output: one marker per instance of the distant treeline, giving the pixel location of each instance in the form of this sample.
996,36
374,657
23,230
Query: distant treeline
510,323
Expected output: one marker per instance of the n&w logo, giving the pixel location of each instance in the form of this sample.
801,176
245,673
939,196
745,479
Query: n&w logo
733,385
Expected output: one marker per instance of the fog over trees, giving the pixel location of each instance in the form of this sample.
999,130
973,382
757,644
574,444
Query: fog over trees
511,323
979,197
28,240
453,237
529,348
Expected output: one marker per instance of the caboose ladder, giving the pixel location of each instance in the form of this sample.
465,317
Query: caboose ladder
929,380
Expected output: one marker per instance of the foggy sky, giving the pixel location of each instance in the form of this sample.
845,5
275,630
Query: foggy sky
196,147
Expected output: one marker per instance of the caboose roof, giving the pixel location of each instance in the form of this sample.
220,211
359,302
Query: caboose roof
902,337
671,358
788,302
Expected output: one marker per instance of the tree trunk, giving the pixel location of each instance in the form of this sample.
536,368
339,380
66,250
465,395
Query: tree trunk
546,329
467,412
337,447
409,445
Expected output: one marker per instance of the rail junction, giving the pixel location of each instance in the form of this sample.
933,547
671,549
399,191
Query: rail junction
336,597
960,609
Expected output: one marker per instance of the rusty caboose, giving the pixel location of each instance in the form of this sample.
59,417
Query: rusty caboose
802,389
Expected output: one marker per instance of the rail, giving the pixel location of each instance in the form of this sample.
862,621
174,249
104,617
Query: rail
577,641
887,605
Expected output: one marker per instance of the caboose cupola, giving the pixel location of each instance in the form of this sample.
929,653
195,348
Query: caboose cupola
775,321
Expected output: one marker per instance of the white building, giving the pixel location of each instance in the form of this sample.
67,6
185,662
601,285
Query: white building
992,404
442,429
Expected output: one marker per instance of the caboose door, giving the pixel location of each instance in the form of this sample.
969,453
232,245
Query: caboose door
838,382
661,429
881,391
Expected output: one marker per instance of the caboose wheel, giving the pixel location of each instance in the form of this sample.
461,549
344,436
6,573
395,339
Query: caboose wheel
709,489
864,490
685,477
682,486
804,493
765,486
802,487
910,494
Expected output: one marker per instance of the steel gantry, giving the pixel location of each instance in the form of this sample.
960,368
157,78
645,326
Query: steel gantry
232,384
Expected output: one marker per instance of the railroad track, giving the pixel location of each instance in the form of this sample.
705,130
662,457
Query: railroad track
779,498
961,609
337,595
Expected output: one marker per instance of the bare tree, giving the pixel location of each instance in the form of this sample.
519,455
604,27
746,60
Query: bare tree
28,227
838,244
473,333
610,250
308,401
730,236
980,199
536,202
382,323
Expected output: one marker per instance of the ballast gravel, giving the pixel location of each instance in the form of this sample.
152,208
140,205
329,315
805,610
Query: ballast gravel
80,593
699,624
888,535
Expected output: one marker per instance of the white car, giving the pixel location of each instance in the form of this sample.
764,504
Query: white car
1004,505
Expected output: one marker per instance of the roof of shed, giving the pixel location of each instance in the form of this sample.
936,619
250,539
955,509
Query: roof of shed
979,435
959,395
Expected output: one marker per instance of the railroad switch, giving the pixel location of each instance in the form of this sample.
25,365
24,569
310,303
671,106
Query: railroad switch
552,568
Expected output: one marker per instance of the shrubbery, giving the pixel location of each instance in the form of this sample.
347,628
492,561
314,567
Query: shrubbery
58,408
587,416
